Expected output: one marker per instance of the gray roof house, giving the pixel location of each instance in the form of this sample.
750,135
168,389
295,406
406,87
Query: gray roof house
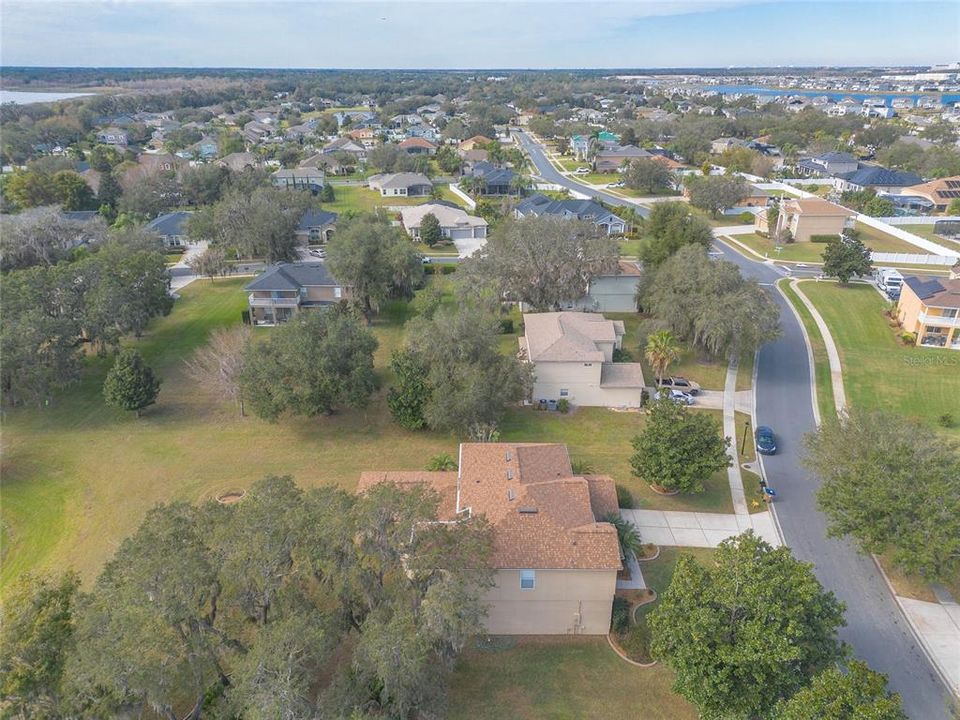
590,210
284,289
298,179
879,178
403,184
496,181
828,164
316,226
171,227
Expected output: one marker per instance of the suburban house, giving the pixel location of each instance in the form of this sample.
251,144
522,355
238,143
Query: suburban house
827,165
423,131
721,145
612,159
877,178
206,148
316,226
477,142
401,184
298,179
330,164
495,181
239,161
572,354
580,146
929,307
282,290
113,136
366,136
455,223
806,218
171,227
940,193
555,559
348,145
611,292
606,221
418,146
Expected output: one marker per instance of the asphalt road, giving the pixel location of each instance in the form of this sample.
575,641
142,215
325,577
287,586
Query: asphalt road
549,173
876,629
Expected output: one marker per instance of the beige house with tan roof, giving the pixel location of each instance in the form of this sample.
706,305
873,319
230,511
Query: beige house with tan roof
572,354
807,218
555,558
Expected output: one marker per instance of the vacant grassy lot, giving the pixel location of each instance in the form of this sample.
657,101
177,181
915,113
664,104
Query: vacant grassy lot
79,476
560,678
791,252
881,242
926,231
879,372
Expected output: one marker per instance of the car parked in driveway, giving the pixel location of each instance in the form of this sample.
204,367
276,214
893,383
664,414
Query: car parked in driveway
676,382
766,440
678,396
582,171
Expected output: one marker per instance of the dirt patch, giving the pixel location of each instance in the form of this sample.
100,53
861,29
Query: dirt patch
663,491
231,496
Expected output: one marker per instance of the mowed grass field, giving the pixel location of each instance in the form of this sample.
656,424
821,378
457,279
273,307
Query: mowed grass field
878,372
360,198
78,476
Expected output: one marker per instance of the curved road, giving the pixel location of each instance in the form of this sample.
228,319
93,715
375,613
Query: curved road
876,629
549,173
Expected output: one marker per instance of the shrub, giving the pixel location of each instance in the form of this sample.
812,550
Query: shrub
429,269
581,467
448,269
506,326
636,642
443,461
563,405
908,338
824,238
622,356
747,218
945,420
624,497
620,617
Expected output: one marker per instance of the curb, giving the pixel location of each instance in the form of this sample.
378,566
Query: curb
913,629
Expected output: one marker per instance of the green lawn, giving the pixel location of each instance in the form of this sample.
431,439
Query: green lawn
926,232
360,198
560,678
825,402
78,476
878,371
881,242
791,252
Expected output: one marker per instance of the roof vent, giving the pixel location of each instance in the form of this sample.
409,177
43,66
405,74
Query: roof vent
511,495
509,474
509,456
527,510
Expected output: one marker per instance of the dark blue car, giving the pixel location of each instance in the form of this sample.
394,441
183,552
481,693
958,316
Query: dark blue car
766,441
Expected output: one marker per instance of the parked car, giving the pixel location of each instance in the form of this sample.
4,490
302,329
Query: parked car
678,396
766,440
677,382
582,171
426,260
616,185
319,252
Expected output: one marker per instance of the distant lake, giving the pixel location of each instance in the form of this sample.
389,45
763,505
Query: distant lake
832,94
26,98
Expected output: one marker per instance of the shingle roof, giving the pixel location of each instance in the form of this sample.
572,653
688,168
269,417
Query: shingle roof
399,180
316,218
543,516
568,336
292,276
935,292
816,207
581,209
491,174
170,223
881,176
447,215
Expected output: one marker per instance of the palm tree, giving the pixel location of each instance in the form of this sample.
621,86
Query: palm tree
630,540
661,350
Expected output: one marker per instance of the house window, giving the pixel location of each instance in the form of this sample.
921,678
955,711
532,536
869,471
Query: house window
564,392
950,313
337,292
528,579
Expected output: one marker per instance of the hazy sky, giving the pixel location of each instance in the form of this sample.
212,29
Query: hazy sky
492,34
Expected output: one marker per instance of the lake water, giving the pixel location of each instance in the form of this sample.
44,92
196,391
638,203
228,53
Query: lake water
832,94
26,98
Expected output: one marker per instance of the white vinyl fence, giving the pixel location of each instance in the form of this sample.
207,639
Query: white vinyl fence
913,259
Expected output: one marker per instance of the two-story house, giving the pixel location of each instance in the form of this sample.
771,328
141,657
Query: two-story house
805,218
572,354
282,290
306,178
930,309
113,136
614,158
316,227
555,558
827,165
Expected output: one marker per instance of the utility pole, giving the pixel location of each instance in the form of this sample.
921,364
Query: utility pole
746,430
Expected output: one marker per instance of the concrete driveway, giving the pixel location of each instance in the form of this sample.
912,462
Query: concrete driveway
468,246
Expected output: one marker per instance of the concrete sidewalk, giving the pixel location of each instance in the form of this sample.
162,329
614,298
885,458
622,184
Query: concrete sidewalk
693,529
938,627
